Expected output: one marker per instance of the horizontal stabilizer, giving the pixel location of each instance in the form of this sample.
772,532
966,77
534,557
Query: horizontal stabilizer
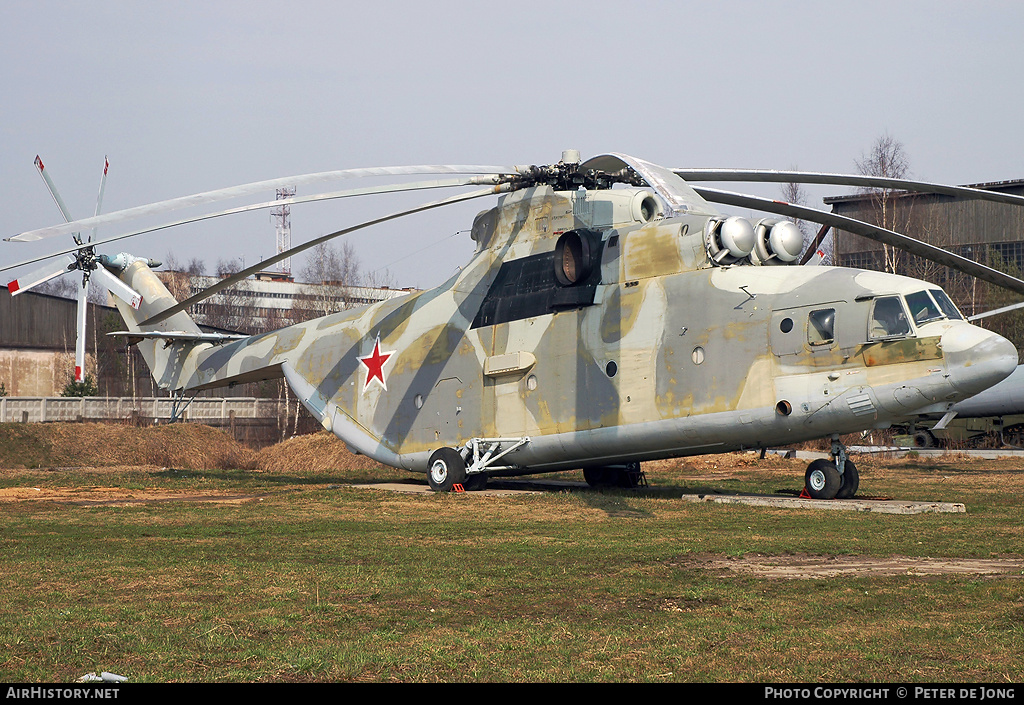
177,336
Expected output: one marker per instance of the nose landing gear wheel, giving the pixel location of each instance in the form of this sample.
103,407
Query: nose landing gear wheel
446,469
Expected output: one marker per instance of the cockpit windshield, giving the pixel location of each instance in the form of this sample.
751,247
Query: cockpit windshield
923,308
932,305
946,305
889,315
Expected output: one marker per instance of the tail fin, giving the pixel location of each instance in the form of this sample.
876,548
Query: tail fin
166,358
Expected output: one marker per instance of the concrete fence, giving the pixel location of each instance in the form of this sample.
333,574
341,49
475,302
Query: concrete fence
40,409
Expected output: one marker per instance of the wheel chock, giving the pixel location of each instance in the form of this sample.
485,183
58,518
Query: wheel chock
804,494
458,488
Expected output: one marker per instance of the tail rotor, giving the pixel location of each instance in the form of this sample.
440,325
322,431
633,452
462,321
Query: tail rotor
83,260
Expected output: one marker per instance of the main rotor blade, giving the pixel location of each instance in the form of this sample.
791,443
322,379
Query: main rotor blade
117,287
915,247
40,276
83,308
368,190
247,189
239,276
809,177
996,312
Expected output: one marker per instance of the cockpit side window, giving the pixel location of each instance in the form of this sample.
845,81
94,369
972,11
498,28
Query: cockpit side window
945,304
923,308
821,326
888,318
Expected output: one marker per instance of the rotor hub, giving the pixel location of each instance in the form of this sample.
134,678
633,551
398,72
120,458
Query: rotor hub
568,176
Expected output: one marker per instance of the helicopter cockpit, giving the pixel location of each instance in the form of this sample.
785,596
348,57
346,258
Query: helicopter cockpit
890,319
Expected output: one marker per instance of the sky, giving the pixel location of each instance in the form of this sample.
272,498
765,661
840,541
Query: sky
185,97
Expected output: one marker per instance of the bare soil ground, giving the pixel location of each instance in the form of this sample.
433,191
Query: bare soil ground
118,496
815,567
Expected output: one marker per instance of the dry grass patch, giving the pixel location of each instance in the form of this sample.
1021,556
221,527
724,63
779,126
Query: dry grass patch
97,445
317,452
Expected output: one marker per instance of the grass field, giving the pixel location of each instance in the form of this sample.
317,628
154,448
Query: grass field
294,574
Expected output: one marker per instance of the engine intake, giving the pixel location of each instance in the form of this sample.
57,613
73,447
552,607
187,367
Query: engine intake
777,241
729,240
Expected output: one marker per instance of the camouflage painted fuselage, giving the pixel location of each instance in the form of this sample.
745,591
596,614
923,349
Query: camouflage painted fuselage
658,353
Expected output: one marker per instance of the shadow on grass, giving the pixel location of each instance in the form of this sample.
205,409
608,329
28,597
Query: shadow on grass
248,477
616,502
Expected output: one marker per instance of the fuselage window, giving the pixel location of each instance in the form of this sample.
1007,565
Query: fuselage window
946,305
888,318
923,308
821,328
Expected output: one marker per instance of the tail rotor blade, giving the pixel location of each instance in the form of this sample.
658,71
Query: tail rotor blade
83,308
117,287
52,188
99,197
40,276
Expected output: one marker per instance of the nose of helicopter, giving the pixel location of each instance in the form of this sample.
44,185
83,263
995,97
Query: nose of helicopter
977,358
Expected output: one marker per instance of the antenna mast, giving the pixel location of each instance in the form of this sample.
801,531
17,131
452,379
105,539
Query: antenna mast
283,214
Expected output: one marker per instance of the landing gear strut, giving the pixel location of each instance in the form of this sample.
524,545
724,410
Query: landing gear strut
832,479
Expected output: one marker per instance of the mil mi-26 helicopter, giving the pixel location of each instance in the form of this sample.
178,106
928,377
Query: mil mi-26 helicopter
609,315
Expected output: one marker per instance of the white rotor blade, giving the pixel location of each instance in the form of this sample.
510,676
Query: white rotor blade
52,188
247,189
239,276
99,197
117,287
40,276
369,190
873,232
810,177
815,259
996,312
83,307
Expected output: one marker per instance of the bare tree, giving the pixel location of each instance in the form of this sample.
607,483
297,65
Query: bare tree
796,194
181,279
335,272
379,279
227,309
888,158
65,287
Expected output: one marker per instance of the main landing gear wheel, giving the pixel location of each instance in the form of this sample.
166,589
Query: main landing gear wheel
822,479
595,477
626,476
476,482
851,481
925,439
446,470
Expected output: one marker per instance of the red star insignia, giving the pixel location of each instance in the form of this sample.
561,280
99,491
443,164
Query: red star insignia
374,363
